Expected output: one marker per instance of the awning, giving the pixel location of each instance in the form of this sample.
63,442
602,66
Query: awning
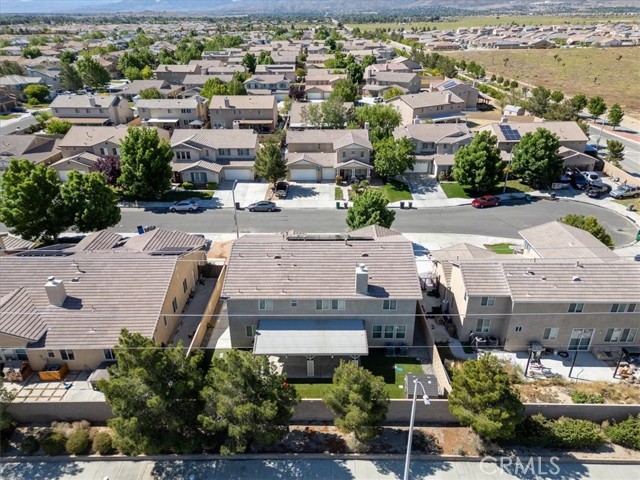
196,122
444,117
256,122
85,120
162,120
311,337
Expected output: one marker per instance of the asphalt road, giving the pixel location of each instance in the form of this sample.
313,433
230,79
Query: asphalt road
631,162
502,221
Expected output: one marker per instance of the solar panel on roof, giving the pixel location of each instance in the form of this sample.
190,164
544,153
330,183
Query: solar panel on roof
509,133
450,84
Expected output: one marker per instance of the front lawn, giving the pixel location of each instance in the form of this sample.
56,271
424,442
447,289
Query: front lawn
9,116
500,248
455,190
177,195
630,201
396,191
513,186
339,194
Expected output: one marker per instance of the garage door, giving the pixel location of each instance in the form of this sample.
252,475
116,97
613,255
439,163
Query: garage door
63,175
304,175
422,167
328,174
242,174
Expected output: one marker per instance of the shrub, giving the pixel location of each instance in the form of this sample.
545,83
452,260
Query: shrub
30,444
583,397
212,186
54,443
500,79
625,433
102,443
575,433
33,101
4,444
188,185
78,442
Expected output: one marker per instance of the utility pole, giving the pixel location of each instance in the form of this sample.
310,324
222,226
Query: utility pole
235,208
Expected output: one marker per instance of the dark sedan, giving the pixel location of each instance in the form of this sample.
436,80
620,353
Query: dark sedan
486,201
597,191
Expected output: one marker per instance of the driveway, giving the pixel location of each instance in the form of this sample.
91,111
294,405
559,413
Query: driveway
246,193
423,187
309,195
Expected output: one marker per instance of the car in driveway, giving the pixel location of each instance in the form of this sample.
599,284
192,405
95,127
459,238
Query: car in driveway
625,191
281,189
262,207
184,206
486,201
579,181
597,190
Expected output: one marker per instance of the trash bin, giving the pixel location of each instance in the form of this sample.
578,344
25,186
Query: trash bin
552,195
346,204
401,204
638,236
527,197
338,205
237,205
631,207
410,205
140,229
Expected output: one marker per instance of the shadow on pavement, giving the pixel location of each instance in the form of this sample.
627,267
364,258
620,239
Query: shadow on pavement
40,471
417,470
301,191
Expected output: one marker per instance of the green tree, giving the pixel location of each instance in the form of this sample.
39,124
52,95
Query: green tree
311,115
30,204
132,73
345,90
355,72
89,201
596,107
394,156
39,92
58,126
381,120
579,102
247,402
92,73
334,113
146,73
615,149
615,115
269,163
368,60
249,61
7,424
146,164
359,400
150,93
478,166
264,58
370,208
7,67
31,52
538,102
155,396
557,96
482,398
392,92
70,77
535,159
589,224
68,57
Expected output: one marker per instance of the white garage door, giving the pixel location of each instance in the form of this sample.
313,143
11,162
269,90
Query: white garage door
328,174
63,175
304,175
422,167
314,95
242,174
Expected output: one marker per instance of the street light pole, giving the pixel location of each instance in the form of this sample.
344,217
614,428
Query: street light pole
425,399
600,136
506,177
235,209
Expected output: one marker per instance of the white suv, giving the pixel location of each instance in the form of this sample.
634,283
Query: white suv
625,191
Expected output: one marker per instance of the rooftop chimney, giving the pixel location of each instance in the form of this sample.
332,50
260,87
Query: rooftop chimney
448,97
55,291
92,101
226,102
362,279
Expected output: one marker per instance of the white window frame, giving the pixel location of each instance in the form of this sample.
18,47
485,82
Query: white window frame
67,354
401,331
487,301
576,307
265,304
551,334
376,331
580,346
388,332
389,304
109,353
483,325
620,335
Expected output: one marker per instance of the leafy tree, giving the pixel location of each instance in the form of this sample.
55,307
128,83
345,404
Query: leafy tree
7,424
43,116
146,164
155,396
616,152
557,96
589,224
165,57
615,115
334,113
483,399
345,90
89,201
264,58
92,73
478,166
538,102
596,107
312,115
368,60
146,73
535,159
392,92
138,59
58,126
247,401
296,91
249,61
68,57
132,73
355,72
30,204
370,208
7,67
70,77
382,119
359,400
110,168
150,93
563,112
394,156
579,102
215,86
39,92
31,52
269,163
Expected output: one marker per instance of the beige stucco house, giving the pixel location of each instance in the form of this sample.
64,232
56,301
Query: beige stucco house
257,112
92,110
431,106
174,113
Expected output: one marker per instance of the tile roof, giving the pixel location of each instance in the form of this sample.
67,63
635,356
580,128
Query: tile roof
434,132
11,242
217,138
429,99
90,136
160,238
190,102
267,102
339,138
19,316
566,131
84,101
101,240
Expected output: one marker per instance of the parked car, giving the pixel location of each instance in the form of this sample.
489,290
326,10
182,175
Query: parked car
262,207
591,177
626,191
579,181
637,257
597,190
281,189
184,206
19,108
486,201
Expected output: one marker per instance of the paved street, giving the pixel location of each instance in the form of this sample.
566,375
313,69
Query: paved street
300,468
631,162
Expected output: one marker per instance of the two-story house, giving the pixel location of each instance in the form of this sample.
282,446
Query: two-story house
313,300
379,81
466,92
274,84
319,84
92,110
317,155
50,75
435,144
206,156
257,112
433,106
174,113
174,74
35,148
15,84
509,134
133,89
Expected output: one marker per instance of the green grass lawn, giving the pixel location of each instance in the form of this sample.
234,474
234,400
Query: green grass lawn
9,116
454,190
513,186
396,191
630,201
339,194
318,389
500,248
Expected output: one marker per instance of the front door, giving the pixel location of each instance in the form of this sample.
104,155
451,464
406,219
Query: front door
580,339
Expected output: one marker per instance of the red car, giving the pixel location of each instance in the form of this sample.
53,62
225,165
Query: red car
486,201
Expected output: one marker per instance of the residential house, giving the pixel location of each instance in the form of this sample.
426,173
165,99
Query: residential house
432,106
317,155
174,113
10,244
509,133
7,102
198,81
435,144
289,71
133,89
466,92
276,85
319,84
51,76
297,120
313,300
174,74
92,110
378,82
257,112
15,85
35,148
206,156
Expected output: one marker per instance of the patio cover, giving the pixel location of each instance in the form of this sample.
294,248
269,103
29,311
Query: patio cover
256,122
163,120
86,120
445,117
311,337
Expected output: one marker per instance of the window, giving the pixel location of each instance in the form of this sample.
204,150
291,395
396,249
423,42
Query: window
183,155
250,330
344,154
224,152
361,154
388,331
103,151
115,151
184,285
622,335
487,301
518,329
67,355
186,110
482,325
51,354
243,152
377,331
330,304
185,121
389,304
109,354
164,318
265,304
580,339
623,307
550,333
401,331
174,304
169,111
198,177
576,307
294,303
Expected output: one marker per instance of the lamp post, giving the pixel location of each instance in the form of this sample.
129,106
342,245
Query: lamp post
235,208
425,399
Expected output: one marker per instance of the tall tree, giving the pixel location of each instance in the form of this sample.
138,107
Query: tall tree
557,96
7,424
359,400
68,57
345,90
132,73
155,396
355,72
591,225
394,156
247,402
146,164
334,113
249,61
264,58
370,208
92,73
380,119
535,159
596,107
483,399
110,168
89,201
7,67
39,92
30,204
392,93
579,102
615,115
58,126
146,73
615,149
150,93
478,166
311,114
269,163
70,77
538,102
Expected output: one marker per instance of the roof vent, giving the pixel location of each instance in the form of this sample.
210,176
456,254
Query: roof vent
55,291
365,254
576,278
75,279
529,272
277,257
578,264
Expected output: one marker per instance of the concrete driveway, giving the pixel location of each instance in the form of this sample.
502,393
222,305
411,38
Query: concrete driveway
423,187
309,195
246,193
